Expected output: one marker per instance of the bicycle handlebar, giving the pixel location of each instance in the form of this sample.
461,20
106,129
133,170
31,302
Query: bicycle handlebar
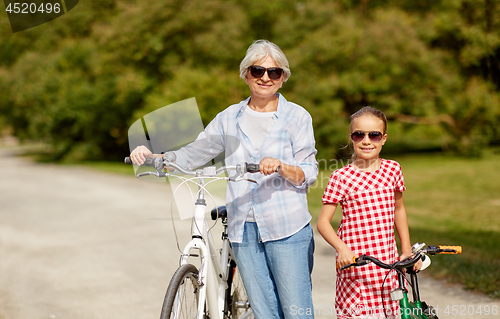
159,162
406,263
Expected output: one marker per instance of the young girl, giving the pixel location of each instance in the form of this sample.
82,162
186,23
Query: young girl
370,192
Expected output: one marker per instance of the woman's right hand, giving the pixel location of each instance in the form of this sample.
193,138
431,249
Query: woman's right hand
139,155
345,257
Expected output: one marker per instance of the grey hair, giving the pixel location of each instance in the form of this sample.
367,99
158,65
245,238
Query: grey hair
261,49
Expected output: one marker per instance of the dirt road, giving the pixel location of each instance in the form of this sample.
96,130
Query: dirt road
76,243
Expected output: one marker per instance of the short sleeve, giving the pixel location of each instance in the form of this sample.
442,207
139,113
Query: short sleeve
335,190
399,183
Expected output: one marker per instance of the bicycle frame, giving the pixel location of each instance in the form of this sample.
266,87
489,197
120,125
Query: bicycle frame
409,309
214,270
211,270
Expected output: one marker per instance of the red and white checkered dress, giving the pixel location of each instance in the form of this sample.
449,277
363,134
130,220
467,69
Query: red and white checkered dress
367,227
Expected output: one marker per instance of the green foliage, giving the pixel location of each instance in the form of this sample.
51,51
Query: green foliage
452,201
213,87
79,81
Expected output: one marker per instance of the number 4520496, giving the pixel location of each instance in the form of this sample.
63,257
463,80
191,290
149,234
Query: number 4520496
463,310
33,8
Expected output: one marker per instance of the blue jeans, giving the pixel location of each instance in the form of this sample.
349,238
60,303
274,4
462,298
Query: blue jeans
277,274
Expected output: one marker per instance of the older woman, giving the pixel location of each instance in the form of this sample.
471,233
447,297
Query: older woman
268,222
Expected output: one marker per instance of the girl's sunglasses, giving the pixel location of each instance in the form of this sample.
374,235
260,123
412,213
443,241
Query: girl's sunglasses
258,71
358,136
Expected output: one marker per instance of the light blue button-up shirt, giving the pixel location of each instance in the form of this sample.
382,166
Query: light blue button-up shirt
280,208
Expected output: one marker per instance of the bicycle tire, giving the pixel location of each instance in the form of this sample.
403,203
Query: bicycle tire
236,299
182,294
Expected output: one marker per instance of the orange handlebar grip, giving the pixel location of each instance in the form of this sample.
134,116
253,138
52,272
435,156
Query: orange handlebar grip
353,261
458,249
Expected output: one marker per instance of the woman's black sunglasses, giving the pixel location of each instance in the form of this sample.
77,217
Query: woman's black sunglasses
258,71
358,136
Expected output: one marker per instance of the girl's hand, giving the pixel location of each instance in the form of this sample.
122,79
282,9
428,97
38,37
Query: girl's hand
139,155
417,266
345,257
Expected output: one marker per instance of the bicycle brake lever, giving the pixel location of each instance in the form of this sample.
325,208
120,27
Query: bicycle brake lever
239,179
147,174
162,174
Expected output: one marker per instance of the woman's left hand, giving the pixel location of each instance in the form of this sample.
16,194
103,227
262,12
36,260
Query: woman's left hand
417,266
269,165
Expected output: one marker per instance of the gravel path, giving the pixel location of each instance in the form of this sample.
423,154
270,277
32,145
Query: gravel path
76,243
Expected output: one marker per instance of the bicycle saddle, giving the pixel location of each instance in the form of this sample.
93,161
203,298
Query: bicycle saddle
221,213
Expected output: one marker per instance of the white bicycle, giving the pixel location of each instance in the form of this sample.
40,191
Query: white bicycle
215,290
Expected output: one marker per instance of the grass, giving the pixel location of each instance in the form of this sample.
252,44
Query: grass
450,201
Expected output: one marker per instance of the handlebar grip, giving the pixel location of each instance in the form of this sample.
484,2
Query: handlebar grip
252,168
148,162
354,263
451,250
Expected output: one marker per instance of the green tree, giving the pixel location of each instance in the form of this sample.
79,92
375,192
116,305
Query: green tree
79,81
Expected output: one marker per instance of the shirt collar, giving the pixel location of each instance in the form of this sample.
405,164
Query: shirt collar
242,107
281,106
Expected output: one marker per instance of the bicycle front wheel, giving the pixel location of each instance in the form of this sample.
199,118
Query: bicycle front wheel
181,299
